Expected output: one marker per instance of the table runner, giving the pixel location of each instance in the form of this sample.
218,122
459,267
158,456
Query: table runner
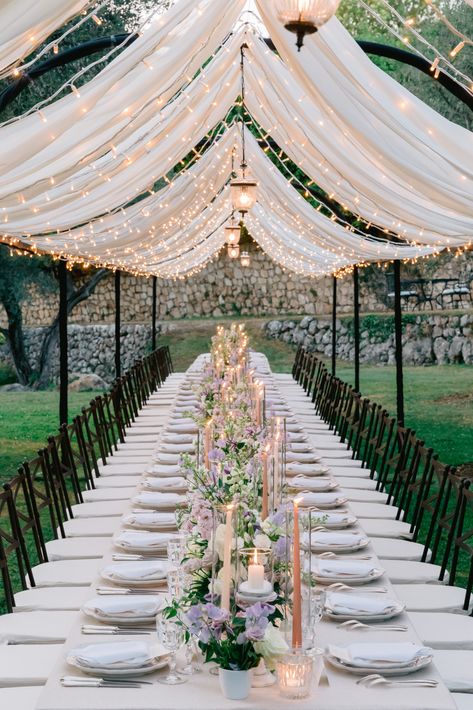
337,691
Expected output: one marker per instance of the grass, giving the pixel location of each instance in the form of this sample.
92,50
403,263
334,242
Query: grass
26,420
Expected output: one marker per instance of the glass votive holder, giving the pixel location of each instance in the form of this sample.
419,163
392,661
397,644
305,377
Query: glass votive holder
175,583
295,671
317,655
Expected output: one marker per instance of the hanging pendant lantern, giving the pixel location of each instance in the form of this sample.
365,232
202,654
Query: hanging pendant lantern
233,251
232,232
245,258
243,192
304,17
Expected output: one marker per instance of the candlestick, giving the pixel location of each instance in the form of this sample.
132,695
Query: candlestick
207,442
255,574
296,571
264,507
227,559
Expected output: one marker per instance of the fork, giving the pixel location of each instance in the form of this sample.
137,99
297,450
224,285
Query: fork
113,630
123,590
369,681
339,586
354,624
72,681
334,556
122,556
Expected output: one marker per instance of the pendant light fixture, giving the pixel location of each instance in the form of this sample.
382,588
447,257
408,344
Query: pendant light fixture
304,17
232,231
243,186
245,258
233,251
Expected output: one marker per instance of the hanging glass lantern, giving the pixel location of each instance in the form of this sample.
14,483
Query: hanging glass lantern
304,17
232,232
233,251
245,258
243,192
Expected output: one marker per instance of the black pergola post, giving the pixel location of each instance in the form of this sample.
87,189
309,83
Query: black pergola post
153,317
334,324
118,367
356,325
63,359
398,341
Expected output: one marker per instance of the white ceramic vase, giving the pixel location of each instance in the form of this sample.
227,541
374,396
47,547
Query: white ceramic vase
235,685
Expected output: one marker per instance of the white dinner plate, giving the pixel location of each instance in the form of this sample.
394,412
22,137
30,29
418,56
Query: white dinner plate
150,521
397,609
123,619
154,664
384,670
338,523
327,547
346,579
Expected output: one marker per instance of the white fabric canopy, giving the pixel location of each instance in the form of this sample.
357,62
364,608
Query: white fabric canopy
24,24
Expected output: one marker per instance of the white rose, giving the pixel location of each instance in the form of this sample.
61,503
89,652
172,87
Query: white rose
220,540
261,540
272,646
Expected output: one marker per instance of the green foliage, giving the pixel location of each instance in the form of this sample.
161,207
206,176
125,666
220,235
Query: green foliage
19,272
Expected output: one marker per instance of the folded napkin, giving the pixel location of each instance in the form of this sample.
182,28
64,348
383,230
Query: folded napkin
334,539
126,606
120,654
178,438
167,448
136,571
162,484
300,447
359,605
150,540
180,419
306,469
342,568
302,458
164,458
150,520
319,500
162,469
295,437
313,484
151,499
293,426
375,654
335,519
183,428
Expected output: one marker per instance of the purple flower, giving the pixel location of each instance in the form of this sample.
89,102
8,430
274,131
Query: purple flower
216,455
280,548
256,622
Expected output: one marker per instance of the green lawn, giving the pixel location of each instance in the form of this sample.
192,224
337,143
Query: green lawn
26,420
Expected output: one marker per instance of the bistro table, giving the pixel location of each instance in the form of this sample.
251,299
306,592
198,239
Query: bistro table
337,690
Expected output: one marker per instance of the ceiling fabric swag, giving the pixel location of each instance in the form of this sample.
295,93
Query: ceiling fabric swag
125,95
25,24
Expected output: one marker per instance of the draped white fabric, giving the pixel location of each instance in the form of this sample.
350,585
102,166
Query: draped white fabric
69,173
24,24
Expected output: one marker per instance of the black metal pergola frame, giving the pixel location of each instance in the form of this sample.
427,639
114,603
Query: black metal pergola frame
90,47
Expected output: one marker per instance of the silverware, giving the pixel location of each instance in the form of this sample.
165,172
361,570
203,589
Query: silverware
339,586
112,630
354,624
333,556
126,590
122,556
71,681
369,681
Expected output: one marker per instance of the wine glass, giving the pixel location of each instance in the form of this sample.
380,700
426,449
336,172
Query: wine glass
171,635
313,606
191,666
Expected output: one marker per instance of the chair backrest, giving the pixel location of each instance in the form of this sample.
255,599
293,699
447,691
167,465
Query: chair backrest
12,558
463,539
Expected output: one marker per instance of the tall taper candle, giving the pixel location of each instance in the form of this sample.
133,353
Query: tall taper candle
227,559
296,594
264,506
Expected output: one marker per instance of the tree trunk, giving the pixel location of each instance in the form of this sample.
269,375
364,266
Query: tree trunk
14,334
74,297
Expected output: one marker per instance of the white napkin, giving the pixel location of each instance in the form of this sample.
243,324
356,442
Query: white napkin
332,519
334,539
342,603
306,469
166,458
166,448
293,426
160,469
313,484
120,654
151,540
178,438
162,484
302,458
319,500
126,606
375,654
131,571
150,520
152,499
300,447
183,428
342,568
295,436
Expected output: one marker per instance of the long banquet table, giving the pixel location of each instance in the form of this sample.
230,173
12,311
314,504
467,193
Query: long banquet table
337,690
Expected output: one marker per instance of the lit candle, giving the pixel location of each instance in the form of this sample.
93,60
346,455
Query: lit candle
255,574
296,595
227,559
207,442
264,506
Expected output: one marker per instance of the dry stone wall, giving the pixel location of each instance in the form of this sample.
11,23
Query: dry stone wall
427,339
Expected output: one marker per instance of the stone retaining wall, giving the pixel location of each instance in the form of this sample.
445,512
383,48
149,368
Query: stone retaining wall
427,339
91,348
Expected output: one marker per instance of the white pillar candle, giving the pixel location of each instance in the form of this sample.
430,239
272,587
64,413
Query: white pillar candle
227,559
255,574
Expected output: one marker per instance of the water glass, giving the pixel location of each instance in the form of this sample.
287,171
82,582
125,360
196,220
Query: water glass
313,608
171,635
191,666
175,583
